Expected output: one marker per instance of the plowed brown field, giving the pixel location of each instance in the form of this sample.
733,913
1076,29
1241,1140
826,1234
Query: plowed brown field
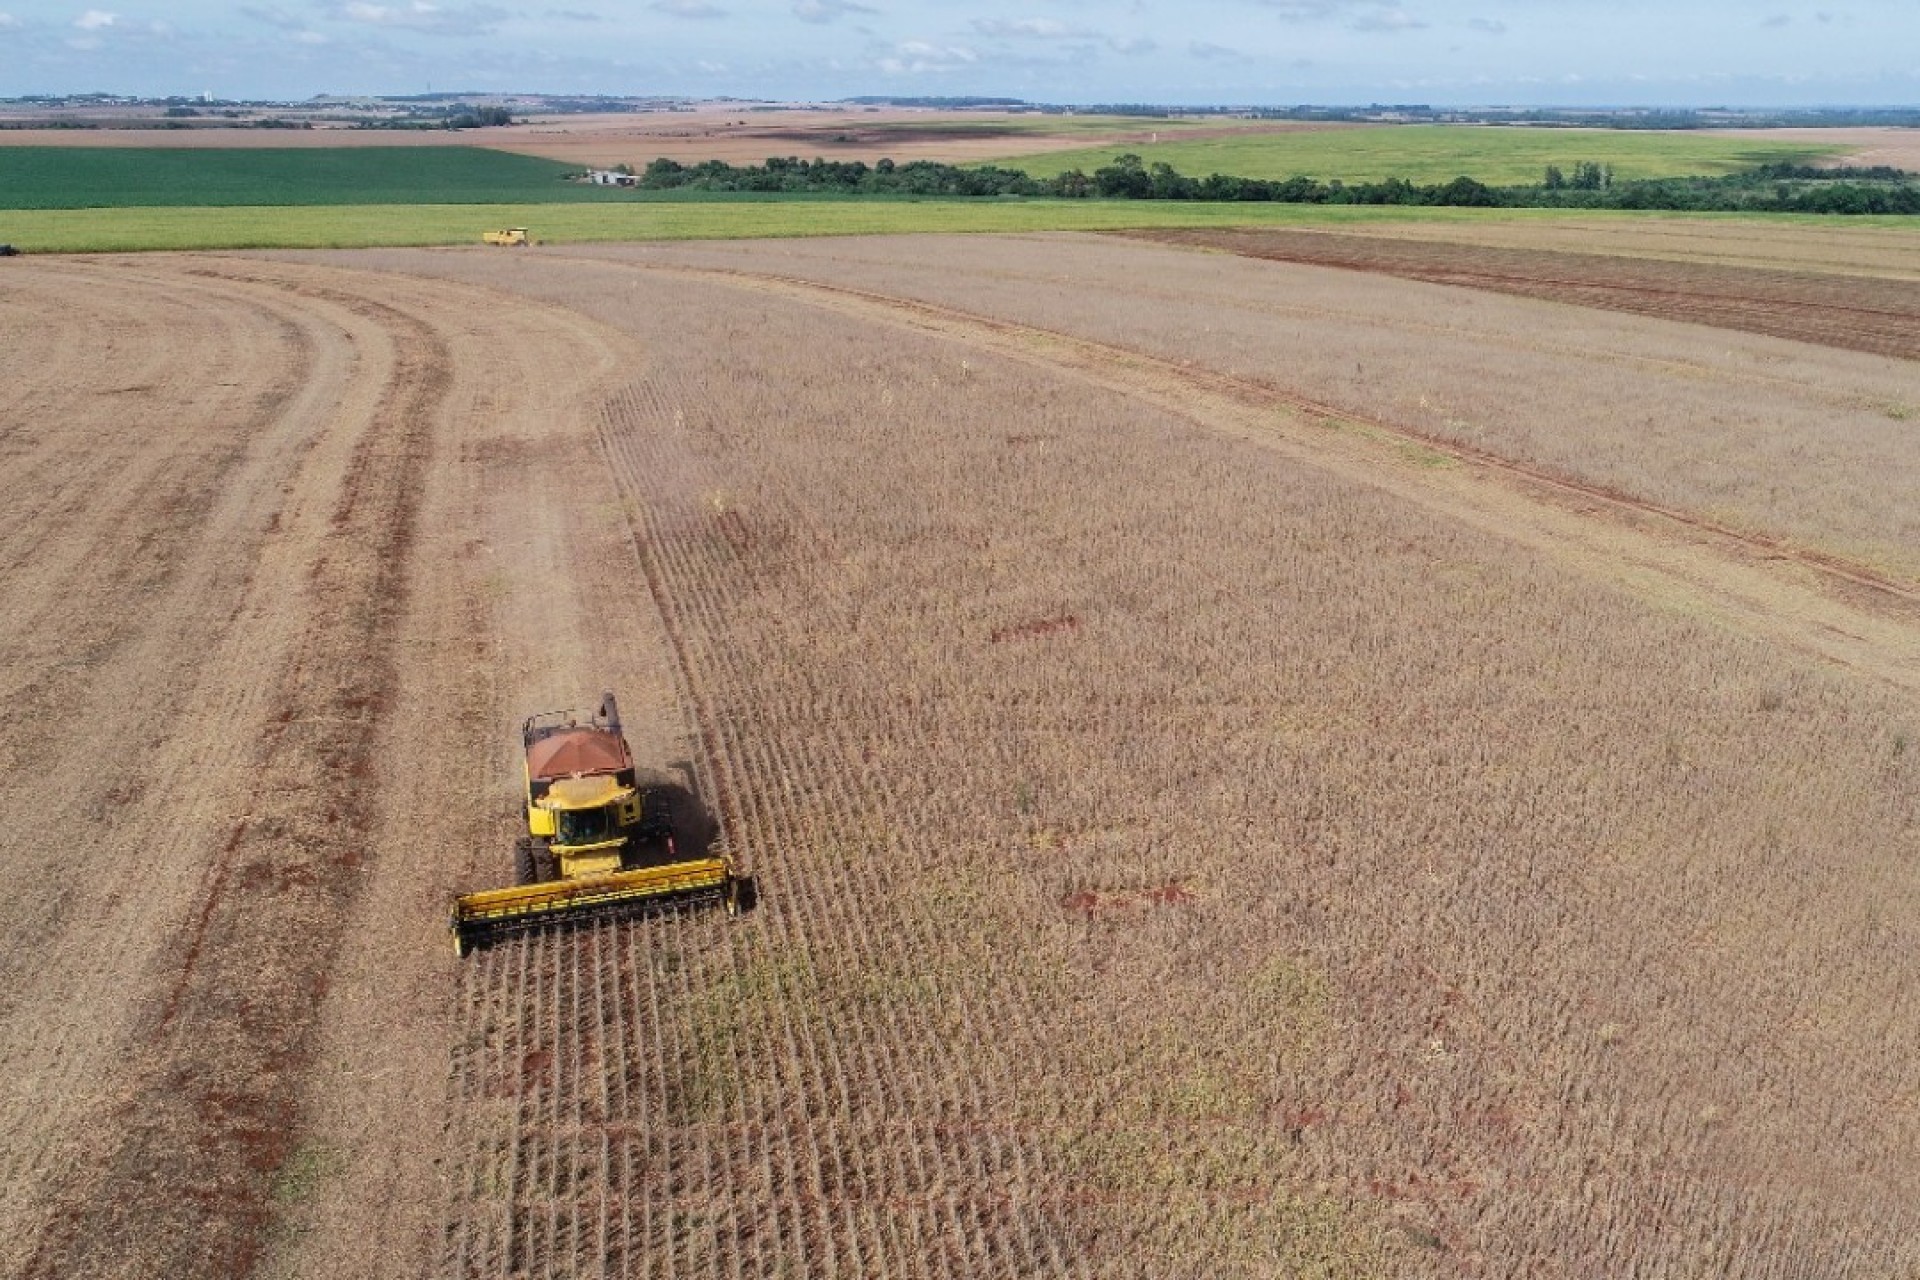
1223,802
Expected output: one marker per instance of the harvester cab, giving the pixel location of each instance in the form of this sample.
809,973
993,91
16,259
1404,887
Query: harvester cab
584,807
595,842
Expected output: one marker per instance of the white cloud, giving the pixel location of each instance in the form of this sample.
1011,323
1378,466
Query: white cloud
1492,26
381,15
828,10
420,16
918,57
1029,29
8,22
274,16
952,52
1387,20
1360,15
96,20
688,8
1308,10
1210,52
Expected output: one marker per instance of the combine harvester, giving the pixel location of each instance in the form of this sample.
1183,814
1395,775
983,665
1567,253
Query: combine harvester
594,846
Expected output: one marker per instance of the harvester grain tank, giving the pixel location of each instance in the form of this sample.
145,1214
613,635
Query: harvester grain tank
596,843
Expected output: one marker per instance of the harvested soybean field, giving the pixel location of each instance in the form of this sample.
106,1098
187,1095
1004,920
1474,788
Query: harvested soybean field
1251,767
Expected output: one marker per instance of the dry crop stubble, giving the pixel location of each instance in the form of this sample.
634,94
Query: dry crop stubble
266,616
181,1180
775,1040
155,443
1177,854
1802,599
1080,750
1768,436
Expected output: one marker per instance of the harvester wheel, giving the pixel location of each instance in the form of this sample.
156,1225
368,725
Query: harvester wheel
742,896
656,818
524,871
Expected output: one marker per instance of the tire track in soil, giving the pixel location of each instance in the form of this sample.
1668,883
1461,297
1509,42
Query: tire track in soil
174,694
185,1186
1815,603
533,1044
518,1216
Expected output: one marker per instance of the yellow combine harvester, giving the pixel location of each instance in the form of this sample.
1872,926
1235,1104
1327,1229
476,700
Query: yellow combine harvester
595,845
510,236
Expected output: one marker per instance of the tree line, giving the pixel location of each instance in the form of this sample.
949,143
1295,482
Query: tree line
1768,189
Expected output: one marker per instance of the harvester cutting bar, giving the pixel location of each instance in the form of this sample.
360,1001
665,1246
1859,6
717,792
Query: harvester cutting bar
480,917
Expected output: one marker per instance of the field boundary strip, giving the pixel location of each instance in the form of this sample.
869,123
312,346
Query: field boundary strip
1817,602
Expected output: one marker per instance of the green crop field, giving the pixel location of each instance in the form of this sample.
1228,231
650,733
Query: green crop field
365,226
72,199
117,177
1028,124
1498,156
360,226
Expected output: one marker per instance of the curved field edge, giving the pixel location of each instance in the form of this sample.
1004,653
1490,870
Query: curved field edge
133,230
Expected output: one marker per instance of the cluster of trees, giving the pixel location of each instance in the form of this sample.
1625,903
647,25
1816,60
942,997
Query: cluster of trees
1772,188
841,177
1587,176
1776,188
444,118
481,118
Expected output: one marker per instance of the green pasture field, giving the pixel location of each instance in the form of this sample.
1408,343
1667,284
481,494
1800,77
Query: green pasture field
364,226
1047,126
1495,155
118,177
367,226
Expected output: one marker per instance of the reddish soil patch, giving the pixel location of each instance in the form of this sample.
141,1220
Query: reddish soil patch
1855,314
1034,628
1094,902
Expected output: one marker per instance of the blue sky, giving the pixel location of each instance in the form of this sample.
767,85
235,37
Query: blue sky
1459,52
